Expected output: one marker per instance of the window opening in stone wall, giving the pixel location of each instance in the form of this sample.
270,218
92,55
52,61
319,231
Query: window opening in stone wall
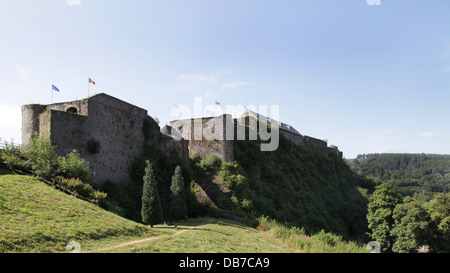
72,110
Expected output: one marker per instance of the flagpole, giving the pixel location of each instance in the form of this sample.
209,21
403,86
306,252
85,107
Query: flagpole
88,87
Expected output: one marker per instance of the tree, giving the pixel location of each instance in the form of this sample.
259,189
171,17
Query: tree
410,226
178,206
151,211
439,210
380,214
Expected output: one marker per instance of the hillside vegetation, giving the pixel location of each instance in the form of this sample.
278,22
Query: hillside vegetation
299,185
310,188
35,217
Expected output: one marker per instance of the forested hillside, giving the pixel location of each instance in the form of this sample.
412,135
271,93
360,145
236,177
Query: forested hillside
305,186
411,174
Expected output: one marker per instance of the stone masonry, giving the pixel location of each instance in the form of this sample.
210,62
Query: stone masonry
116,128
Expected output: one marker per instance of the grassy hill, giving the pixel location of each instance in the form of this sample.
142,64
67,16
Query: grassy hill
35,217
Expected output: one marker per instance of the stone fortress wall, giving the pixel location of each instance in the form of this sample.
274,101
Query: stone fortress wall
117,128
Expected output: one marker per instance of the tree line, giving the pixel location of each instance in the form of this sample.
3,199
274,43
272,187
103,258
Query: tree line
411,174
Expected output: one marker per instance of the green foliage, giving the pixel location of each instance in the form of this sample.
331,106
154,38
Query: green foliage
410,228
12,157
320,242
70,173
42,157
178,206
84,190
411,174
439,226
74,166
404,224
129,195
300,185
231,174
151,211
380,215
208,163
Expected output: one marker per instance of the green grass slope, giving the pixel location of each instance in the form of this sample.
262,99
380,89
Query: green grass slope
34,217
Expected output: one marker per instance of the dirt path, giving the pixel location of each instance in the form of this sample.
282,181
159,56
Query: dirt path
147,239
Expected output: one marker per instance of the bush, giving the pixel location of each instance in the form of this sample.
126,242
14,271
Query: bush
208,163
74,166
320,242
328,238
12,157
42,157
77,186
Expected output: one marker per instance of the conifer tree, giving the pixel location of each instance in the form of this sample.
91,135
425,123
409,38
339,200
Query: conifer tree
178,206
151,211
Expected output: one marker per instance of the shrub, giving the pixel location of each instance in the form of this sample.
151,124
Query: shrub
74,166
77,186
320,242
233,179
328,238
12,157
208,163
42,157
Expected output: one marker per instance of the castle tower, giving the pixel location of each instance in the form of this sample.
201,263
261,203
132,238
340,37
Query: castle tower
112,126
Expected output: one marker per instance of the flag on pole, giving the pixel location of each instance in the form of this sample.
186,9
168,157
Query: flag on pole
91,81
176,106
217,103
54,88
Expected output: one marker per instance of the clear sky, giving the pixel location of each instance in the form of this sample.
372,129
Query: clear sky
370,79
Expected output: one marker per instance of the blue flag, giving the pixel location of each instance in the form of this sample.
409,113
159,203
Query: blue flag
55,88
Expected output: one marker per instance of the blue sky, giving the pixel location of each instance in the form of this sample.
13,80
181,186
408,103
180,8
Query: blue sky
367,78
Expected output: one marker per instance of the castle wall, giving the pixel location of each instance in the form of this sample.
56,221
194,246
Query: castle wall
333,151
172,146
114,124
207,136
65,130
30,121
117,126
316,143
81,106
299,140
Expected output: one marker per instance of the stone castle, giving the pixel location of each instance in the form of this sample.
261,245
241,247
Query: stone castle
108,133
